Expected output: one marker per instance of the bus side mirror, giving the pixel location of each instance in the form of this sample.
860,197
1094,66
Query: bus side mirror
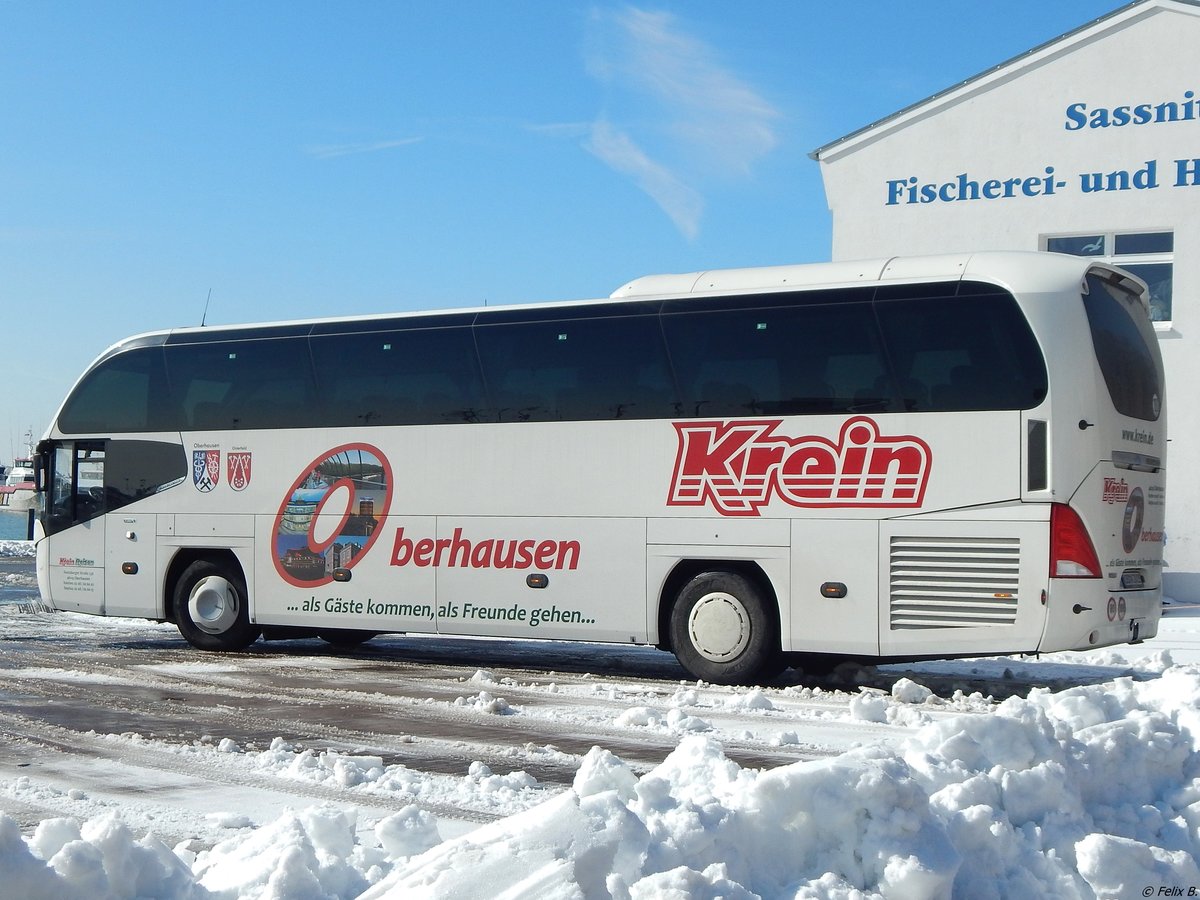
41,465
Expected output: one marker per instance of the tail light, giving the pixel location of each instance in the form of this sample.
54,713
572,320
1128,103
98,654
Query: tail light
1072,554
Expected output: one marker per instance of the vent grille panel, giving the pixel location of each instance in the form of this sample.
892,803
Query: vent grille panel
954,582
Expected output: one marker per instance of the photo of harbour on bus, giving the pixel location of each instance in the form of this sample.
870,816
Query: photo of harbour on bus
354,480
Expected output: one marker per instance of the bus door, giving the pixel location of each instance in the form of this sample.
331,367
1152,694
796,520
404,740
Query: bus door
74,511
130,576
105,557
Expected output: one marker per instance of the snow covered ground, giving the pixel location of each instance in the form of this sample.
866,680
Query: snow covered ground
889,783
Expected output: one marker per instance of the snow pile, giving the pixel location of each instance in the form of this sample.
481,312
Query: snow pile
485,702
96,861
481,788
1095,790
675,721
306,854
1092,791
18,549
755,699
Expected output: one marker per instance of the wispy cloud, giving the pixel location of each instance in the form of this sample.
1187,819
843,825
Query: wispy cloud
671,92
330,151
679,201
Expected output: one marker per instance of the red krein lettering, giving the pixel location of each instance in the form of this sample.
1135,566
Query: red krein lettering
1115,491
738,467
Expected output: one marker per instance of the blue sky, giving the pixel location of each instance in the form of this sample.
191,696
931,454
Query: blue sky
302,159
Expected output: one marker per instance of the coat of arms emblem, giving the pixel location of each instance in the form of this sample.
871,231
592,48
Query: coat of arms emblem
238,464
206,469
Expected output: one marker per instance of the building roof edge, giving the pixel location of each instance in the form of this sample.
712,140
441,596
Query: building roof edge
1121,12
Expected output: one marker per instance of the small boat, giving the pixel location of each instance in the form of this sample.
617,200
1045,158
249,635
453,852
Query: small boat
18,487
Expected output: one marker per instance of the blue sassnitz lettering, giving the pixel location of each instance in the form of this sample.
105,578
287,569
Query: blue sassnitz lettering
1078,116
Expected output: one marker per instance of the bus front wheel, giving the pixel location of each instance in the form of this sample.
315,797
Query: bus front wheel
210,607
723,630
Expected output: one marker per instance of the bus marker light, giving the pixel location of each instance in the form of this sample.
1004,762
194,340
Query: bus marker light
835,590
341,574
129,568
537,580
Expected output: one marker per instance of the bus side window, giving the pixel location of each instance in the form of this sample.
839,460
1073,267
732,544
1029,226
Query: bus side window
421,376
966,389
975,351
77,493
62,487
243,384
136,469
790,358
121,395
526,394
914,394
575,369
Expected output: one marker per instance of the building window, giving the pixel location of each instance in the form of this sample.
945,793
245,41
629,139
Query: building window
1149,255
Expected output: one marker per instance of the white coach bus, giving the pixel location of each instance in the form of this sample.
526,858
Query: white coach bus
903,458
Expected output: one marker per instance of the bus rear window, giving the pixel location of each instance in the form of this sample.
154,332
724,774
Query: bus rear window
1126,348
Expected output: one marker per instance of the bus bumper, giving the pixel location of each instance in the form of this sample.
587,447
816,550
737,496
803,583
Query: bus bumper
1080,617
42,555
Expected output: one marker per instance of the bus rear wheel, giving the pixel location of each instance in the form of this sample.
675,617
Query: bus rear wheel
724,631
210,607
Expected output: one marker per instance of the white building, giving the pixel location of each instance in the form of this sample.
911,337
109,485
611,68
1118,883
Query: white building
1088,144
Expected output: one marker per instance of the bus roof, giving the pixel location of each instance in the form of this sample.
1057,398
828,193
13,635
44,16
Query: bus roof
989,265
1015,270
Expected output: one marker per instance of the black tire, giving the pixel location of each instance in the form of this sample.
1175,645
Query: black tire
724,631
210,607
345,637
